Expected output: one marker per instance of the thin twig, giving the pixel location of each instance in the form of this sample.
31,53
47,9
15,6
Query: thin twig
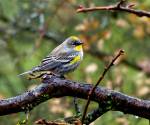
120,6
77,108
99,80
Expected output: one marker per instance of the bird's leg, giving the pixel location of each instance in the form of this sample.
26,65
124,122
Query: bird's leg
56,75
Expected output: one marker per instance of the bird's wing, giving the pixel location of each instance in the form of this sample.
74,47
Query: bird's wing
51,61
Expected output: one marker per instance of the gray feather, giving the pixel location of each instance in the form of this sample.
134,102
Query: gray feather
51,61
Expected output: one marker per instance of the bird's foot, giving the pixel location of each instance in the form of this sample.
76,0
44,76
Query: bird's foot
53,74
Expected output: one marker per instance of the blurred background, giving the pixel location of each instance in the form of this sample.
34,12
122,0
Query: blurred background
30,29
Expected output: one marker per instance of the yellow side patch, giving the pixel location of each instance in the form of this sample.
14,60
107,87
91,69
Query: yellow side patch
78,48
76,59
74,38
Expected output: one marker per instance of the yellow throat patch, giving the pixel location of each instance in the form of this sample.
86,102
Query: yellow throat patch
78,48
76,59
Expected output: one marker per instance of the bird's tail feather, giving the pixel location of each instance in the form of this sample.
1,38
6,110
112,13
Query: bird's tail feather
25,73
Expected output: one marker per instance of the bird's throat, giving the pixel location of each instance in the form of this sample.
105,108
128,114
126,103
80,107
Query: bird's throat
78,48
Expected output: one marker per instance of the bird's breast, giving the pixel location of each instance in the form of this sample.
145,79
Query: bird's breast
77,58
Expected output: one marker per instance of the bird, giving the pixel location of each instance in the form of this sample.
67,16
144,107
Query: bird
65,58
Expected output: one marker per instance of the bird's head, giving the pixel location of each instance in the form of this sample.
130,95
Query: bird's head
74,42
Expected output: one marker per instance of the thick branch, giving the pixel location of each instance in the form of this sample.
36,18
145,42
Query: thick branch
117,7
50,88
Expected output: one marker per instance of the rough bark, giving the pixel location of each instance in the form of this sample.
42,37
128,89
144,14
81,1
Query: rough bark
55,87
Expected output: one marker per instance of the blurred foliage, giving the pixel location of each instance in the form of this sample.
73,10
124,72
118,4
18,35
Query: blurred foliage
22,45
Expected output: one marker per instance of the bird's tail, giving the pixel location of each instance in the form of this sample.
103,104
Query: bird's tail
25,73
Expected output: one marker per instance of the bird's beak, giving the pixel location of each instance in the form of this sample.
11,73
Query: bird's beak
81,43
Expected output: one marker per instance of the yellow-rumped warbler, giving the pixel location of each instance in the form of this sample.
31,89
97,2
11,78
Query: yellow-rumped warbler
64,58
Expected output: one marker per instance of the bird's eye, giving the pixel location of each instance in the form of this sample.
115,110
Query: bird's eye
75,43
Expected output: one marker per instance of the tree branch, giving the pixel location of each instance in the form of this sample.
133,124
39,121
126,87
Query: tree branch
120,6
121,52
50,88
